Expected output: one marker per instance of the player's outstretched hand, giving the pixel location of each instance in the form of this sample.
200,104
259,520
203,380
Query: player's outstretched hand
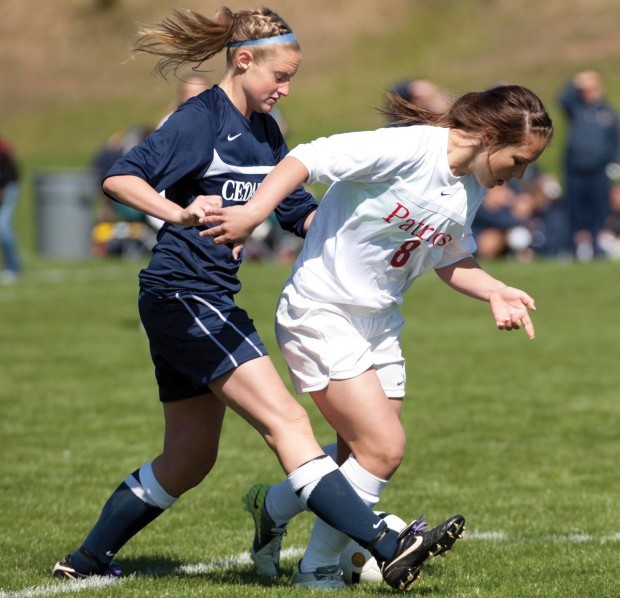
510,308
194,213
233,224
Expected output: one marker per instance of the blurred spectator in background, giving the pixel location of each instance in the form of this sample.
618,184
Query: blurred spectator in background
119,229
190,85
591,150
499,228
114,148
523,219
9,192
424,93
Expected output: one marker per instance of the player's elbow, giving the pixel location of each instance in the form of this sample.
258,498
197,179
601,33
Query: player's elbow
112,186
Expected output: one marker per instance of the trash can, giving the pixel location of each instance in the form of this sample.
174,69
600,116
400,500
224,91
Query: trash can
65,213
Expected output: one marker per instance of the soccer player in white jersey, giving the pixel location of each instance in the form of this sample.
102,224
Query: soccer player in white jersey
401,202
220,145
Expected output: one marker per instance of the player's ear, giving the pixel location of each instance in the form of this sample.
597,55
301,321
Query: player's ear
243,59
488,137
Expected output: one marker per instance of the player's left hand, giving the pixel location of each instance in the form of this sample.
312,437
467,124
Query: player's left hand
510,308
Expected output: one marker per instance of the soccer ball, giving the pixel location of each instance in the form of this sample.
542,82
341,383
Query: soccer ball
358,565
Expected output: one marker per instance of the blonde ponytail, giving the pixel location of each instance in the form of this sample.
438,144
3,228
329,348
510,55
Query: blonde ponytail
191,38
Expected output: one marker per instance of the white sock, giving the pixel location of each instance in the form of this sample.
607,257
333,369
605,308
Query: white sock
326,543
304,479
154,494
282,503
367,485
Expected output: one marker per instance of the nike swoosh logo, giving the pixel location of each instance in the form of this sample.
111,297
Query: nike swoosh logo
376,525
233,137
412,548
444,193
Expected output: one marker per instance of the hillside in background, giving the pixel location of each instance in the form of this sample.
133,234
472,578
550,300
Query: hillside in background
68,83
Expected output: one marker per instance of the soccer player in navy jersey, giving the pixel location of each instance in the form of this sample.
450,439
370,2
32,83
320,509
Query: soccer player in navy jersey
206,351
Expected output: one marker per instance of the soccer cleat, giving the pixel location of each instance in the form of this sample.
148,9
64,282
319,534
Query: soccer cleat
65,569
323,578
267,536
416,546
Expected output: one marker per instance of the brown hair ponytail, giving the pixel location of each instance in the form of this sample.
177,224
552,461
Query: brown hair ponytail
510,111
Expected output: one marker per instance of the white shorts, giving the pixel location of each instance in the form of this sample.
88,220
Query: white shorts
323,342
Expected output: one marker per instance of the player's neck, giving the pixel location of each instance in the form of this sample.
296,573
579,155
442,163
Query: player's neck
235,94
461,151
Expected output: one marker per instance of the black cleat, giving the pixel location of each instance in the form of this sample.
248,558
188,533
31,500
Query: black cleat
416,546
65,569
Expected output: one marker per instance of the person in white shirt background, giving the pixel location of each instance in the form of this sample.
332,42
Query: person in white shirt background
401,202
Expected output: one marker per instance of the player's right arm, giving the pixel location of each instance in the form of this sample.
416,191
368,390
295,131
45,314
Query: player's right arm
138,194
509,306
182,147
236,223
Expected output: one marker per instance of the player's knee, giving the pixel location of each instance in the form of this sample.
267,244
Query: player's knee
393,458
293,419
189,472
382,456
290,423
204,469
194,476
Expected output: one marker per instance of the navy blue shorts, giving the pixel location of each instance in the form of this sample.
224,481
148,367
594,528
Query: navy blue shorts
195,339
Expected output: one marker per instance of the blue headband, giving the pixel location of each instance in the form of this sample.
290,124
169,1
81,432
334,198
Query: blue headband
276,39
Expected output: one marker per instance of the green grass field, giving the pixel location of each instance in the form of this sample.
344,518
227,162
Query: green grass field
520,436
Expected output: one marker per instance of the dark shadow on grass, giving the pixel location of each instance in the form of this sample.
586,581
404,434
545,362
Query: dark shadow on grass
150,566
216,571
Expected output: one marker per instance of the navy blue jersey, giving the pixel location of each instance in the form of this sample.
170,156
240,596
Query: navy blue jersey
207,147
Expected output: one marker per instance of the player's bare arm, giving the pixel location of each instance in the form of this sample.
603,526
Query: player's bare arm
138,194
509,306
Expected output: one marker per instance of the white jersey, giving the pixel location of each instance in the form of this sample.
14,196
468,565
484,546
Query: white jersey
393,211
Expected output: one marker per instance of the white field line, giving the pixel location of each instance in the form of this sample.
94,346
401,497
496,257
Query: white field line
61,587
577,538
293,553
233,561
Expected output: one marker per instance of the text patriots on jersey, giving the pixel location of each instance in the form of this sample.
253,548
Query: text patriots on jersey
419,228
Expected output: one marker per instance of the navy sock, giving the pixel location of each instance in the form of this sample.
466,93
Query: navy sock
335,502
123,516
